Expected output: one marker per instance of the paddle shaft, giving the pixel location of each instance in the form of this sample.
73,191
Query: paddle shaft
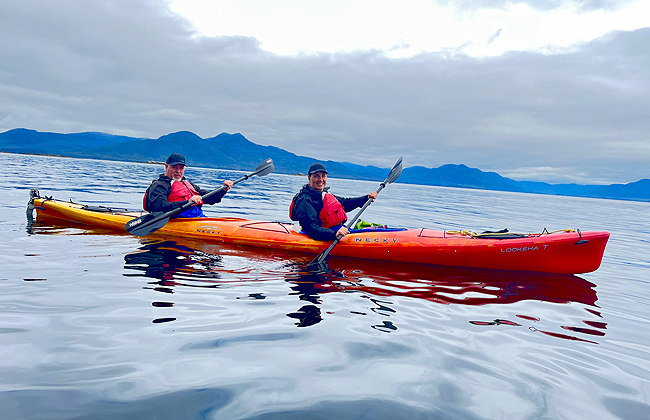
204,196
151,222
392,176
323,255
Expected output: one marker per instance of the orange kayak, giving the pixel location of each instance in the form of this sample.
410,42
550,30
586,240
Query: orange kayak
567,251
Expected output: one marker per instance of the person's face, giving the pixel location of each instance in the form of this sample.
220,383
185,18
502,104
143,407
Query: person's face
175,172
318,181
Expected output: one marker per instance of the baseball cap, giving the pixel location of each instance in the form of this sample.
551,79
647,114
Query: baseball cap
176,159
316,167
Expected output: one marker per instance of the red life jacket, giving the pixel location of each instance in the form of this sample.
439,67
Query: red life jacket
333,213
181,190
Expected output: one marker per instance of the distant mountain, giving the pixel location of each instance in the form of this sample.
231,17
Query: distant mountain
559,189
633,191
234,151
459,176
22,140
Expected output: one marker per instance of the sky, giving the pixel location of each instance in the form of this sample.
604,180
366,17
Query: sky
541,90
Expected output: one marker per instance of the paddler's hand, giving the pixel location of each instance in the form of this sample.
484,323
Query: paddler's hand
373,195
196,199
342,232
228,184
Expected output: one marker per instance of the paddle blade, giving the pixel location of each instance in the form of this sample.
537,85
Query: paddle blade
395,172
144,225
318,266
323,256
264,168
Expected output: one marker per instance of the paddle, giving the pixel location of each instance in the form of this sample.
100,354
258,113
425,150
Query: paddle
151,222
392,176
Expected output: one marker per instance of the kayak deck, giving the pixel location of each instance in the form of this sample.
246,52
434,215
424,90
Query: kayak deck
567,251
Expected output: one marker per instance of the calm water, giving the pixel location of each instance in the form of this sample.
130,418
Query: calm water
95,325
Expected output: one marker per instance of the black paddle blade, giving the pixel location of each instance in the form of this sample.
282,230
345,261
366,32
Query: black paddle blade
318,266
146,224
264,168
395,172
323,256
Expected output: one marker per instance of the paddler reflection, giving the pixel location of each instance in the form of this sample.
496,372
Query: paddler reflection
308,286
167,260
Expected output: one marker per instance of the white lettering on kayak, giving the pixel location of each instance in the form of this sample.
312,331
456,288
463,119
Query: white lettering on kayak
208,230
521,249
383,240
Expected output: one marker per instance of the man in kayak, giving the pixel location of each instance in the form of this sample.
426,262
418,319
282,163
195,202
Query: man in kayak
172,190
321,214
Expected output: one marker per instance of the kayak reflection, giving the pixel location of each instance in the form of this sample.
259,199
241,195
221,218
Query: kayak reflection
173,263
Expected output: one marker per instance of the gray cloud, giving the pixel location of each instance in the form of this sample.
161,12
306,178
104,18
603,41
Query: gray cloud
133,68
543,5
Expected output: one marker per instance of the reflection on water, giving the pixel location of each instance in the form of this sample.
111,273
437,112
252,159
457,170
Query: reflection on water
173,263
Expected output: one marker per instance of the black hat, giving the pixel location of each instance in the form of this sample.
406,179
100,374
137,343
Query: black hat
316,167
176,159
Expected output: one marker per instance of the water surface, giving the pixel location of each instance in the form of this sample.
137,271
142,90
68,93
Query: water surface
95,324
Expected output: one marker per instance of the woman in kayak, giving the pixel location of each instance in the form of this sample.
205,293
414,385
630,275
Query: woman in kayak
321,214
172,190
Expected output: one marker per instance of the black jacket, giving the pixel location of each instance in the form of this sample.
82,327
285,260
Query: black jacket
307,205
159,190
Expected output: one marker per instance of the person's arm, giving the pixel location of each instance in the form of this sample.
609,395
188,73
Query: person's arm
216,198
350,204
157,198
318,232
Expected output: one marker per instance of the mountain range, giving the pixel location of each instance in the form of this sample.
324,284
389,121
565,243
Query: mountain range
234,151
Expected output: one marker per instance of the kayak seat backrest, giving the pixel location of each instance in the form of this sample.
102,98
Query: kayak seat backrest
500,235
374,229
365,230
103,209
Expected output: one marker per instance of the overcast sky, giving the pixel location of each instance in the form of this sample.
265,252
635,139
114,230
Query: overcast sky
548,90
